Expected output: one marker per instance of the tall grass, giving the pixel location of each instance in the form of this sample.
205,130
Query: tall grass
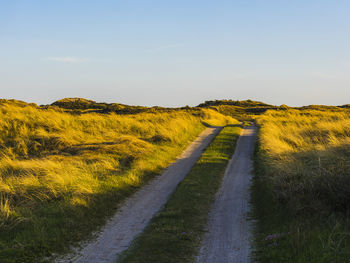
62,175
301,192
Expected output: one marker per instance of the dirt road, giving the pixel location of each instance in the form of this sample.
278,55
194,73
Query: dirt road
136,212
227,239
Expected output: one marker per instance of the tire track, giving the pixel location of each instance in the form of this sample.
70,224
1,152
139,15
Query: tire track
229,233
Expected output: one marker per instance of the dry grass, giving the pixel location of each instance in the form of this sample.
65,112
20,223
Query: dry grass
306,156
294,130
62,174
302,186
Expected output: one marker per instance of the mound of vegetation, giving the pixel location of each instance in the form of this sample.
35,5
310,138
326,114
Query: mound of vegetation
320,108
242,110
240,103
80,105
17,103
301,191
63,174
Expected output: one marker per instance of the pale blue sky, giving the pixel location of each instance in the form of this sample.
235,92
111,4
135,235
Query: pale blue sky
175,53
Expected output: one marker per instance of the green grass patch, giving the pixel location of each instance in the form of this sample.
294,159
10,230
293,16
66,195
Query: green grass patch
174,234
283,236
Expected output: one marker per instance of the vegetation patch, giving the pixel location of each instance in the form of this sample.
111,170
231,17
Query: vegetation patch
301,195
62,174
174,234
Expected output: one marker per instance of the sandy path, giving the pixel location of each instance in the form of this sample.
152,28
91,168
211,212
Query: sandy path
137,210
227,239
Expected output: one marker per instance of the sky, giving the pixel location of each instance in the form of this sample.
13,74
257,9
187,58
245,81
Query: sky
176,53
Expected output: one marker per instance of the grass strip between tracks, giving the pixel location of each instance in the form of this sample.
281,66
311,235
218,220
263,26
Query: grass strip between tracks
174,234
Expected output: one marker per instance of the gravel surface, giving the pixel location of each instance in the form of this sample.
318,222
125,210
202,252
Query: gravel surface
136,212
228,236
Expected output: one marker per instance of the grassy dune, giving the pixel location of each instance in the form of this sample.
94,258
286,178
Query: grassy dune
244,110
63,174
301,192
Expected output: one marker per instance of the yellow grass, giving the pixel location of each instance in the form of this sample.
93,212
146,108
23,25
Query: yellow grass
306,143
301,189
54,163
46,154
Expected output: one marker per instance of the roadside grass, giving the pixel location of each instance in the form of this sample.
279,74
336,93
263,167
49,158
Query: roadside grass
62,175
300,192
174,234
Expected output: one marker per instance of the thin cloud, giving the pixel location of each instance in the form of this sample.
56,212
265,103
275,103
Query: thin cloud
67,59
